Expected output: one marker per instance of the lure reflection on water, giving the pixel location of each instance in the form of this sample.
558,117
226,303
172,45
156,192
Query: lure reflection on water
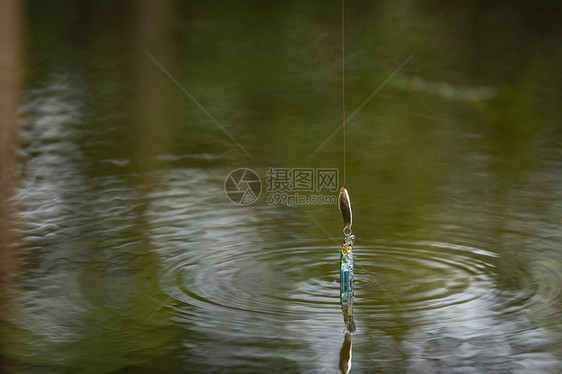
346,300
345,354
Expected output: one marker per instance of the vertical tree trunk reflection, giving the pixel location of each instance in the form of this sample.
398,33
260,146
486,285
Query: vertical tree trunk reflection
150,130
10,87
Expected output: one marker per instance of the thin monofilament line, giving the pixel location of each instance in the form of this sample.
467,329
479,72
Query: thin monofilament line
343,78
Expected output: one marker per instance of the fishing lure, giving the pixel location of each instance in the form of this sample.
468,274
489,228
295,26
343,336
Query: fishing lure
344,204
346,262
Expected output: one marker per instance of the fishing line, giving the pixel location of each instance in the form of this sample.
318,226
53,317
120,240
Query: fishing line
343,79
344,205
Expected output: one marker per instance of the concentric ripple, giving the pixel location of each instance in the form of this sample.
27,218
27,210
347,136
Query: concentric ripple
424,275
391,277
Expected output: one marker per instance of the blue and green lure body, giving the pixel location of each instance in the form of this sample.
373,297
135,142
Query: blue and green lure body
346,262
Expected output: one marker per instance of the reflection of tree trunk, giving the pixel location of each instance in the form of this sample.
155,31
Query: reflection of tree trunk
10,85
151,129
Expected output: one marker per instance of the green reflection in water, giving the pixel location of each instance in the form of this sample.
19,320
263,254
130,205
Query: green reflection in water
460,147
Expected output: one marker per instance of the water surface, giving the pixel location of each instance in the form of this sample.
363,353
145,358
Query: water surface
122,253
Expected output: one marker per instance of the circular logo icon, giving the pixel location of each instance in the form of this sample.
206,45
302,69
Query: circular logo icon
242,186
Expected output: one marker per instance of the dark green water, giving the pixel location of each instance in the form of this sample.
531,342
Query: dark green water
121,252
